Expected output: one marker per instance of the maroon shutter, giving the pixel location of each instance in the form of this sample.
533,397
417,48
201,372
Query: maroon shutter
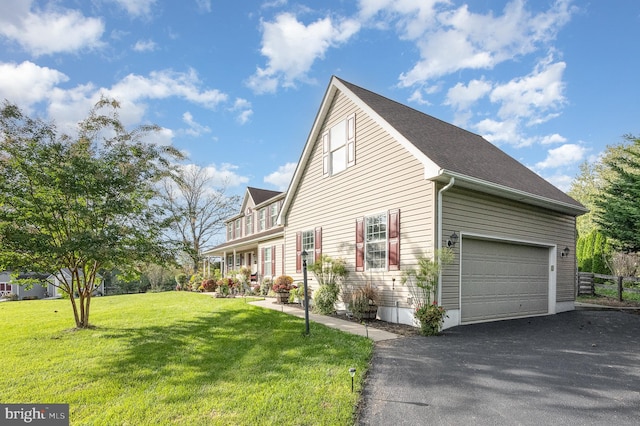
318,244
394,240
262,261
298,251
282,260
360,244
273,260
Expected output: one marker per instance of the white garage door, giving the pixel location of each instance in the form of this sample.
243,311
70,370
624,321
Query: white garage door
503,280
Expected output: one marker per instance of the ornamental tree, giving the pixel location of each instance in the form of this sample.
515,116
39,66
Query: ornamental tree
79,203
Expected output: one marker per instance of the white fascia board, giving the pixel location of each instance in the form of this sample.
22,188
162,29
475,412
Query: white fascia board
510,193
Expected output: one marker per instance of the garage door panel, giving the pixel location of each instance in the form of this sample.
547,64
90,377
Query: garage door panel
503,280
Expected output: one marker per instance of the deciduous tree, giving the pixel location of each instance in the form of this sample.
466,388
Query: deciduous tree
81,202
196,209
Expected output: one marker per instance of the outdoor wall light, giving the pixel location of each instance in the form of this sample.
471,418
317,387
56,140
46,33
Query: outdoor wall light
352,372
565,252
453,239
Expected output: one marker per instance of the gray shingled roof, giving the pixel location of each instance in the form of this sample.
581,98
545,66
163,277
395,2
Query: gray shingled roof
261,195
457,150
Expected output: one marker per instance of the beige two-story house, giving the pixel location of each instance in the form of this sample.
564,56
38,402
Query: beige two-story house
254,237
380,184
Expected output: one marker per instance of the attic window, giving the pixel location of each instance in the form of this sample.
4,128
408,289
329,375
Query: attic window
339,147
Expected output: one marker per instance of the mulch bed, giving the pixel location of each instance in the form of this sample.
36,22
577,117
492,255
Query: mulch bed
400,329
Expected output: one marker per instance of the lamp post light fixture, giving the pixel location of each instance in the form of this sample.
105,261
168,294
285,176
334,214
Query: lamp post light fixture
352,372
304,256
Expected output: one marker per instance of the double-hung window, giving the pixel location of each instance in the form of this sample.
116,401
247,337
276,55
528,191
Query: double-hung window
267,262
262,218
376,242
273,212
309,245
238,228
229,231
248,220
339,147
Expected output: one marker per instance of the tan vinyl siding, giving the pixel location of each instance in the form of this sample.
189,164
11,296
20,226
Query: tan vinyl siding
470,212
385,177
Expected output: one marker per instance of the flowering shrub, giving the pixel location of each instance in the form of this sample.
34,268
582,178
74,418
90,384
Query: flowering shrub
431,317
282,283
208,285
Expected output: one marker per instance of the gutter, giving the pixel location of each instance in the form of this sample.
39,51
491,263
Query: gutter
439,245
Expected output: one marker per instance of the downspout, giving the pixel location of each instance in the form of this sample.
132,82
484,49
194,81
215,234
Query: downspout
439,245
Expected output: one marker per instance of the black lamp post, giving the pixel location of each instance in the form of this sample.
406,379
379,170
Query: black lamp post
304,255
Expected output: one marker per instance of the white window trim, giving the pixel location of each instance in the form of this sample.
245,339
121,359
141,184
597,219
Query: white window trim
312,250
386,242
349,125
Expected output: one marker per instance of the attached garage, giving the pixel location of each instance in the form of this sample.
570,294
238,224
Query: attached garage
503,280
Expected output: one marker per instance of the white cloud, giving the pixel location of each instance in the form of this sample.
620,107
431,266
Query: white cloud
291,48
136,7
164,84
554,138
50,31
204,6
281,177
564,155
27,83
244,110
145,46
195,129
457,39
534,95
413,17
499,131
562,182
462,97
69,106
225,174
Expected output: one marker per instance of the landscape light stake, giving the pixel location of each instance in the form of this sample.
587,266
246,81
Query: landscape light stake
352,371
304,255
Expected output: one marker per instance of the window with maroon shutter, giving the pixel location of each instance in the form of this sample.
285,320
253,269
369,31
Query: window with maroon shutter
360,244
394,240
298,252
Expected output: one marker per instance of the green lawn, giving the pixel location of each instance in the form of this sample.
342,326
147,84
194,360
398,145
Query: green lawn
179,358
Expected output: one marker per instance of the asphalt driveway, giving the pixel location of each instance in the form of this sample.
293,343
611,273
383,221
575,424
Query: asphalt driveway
574,368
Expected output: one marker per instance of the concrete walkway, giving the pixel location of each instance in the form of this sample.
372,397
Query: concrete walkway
347,326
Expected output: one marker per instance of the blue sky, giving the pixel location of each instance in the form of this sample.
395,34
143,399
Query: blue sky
237,84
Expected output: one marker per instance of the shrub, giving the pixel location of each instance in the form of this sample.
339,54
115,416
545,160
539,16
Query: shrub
265,286
282,283
10,296
208,285
361,300
324,299
431,318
